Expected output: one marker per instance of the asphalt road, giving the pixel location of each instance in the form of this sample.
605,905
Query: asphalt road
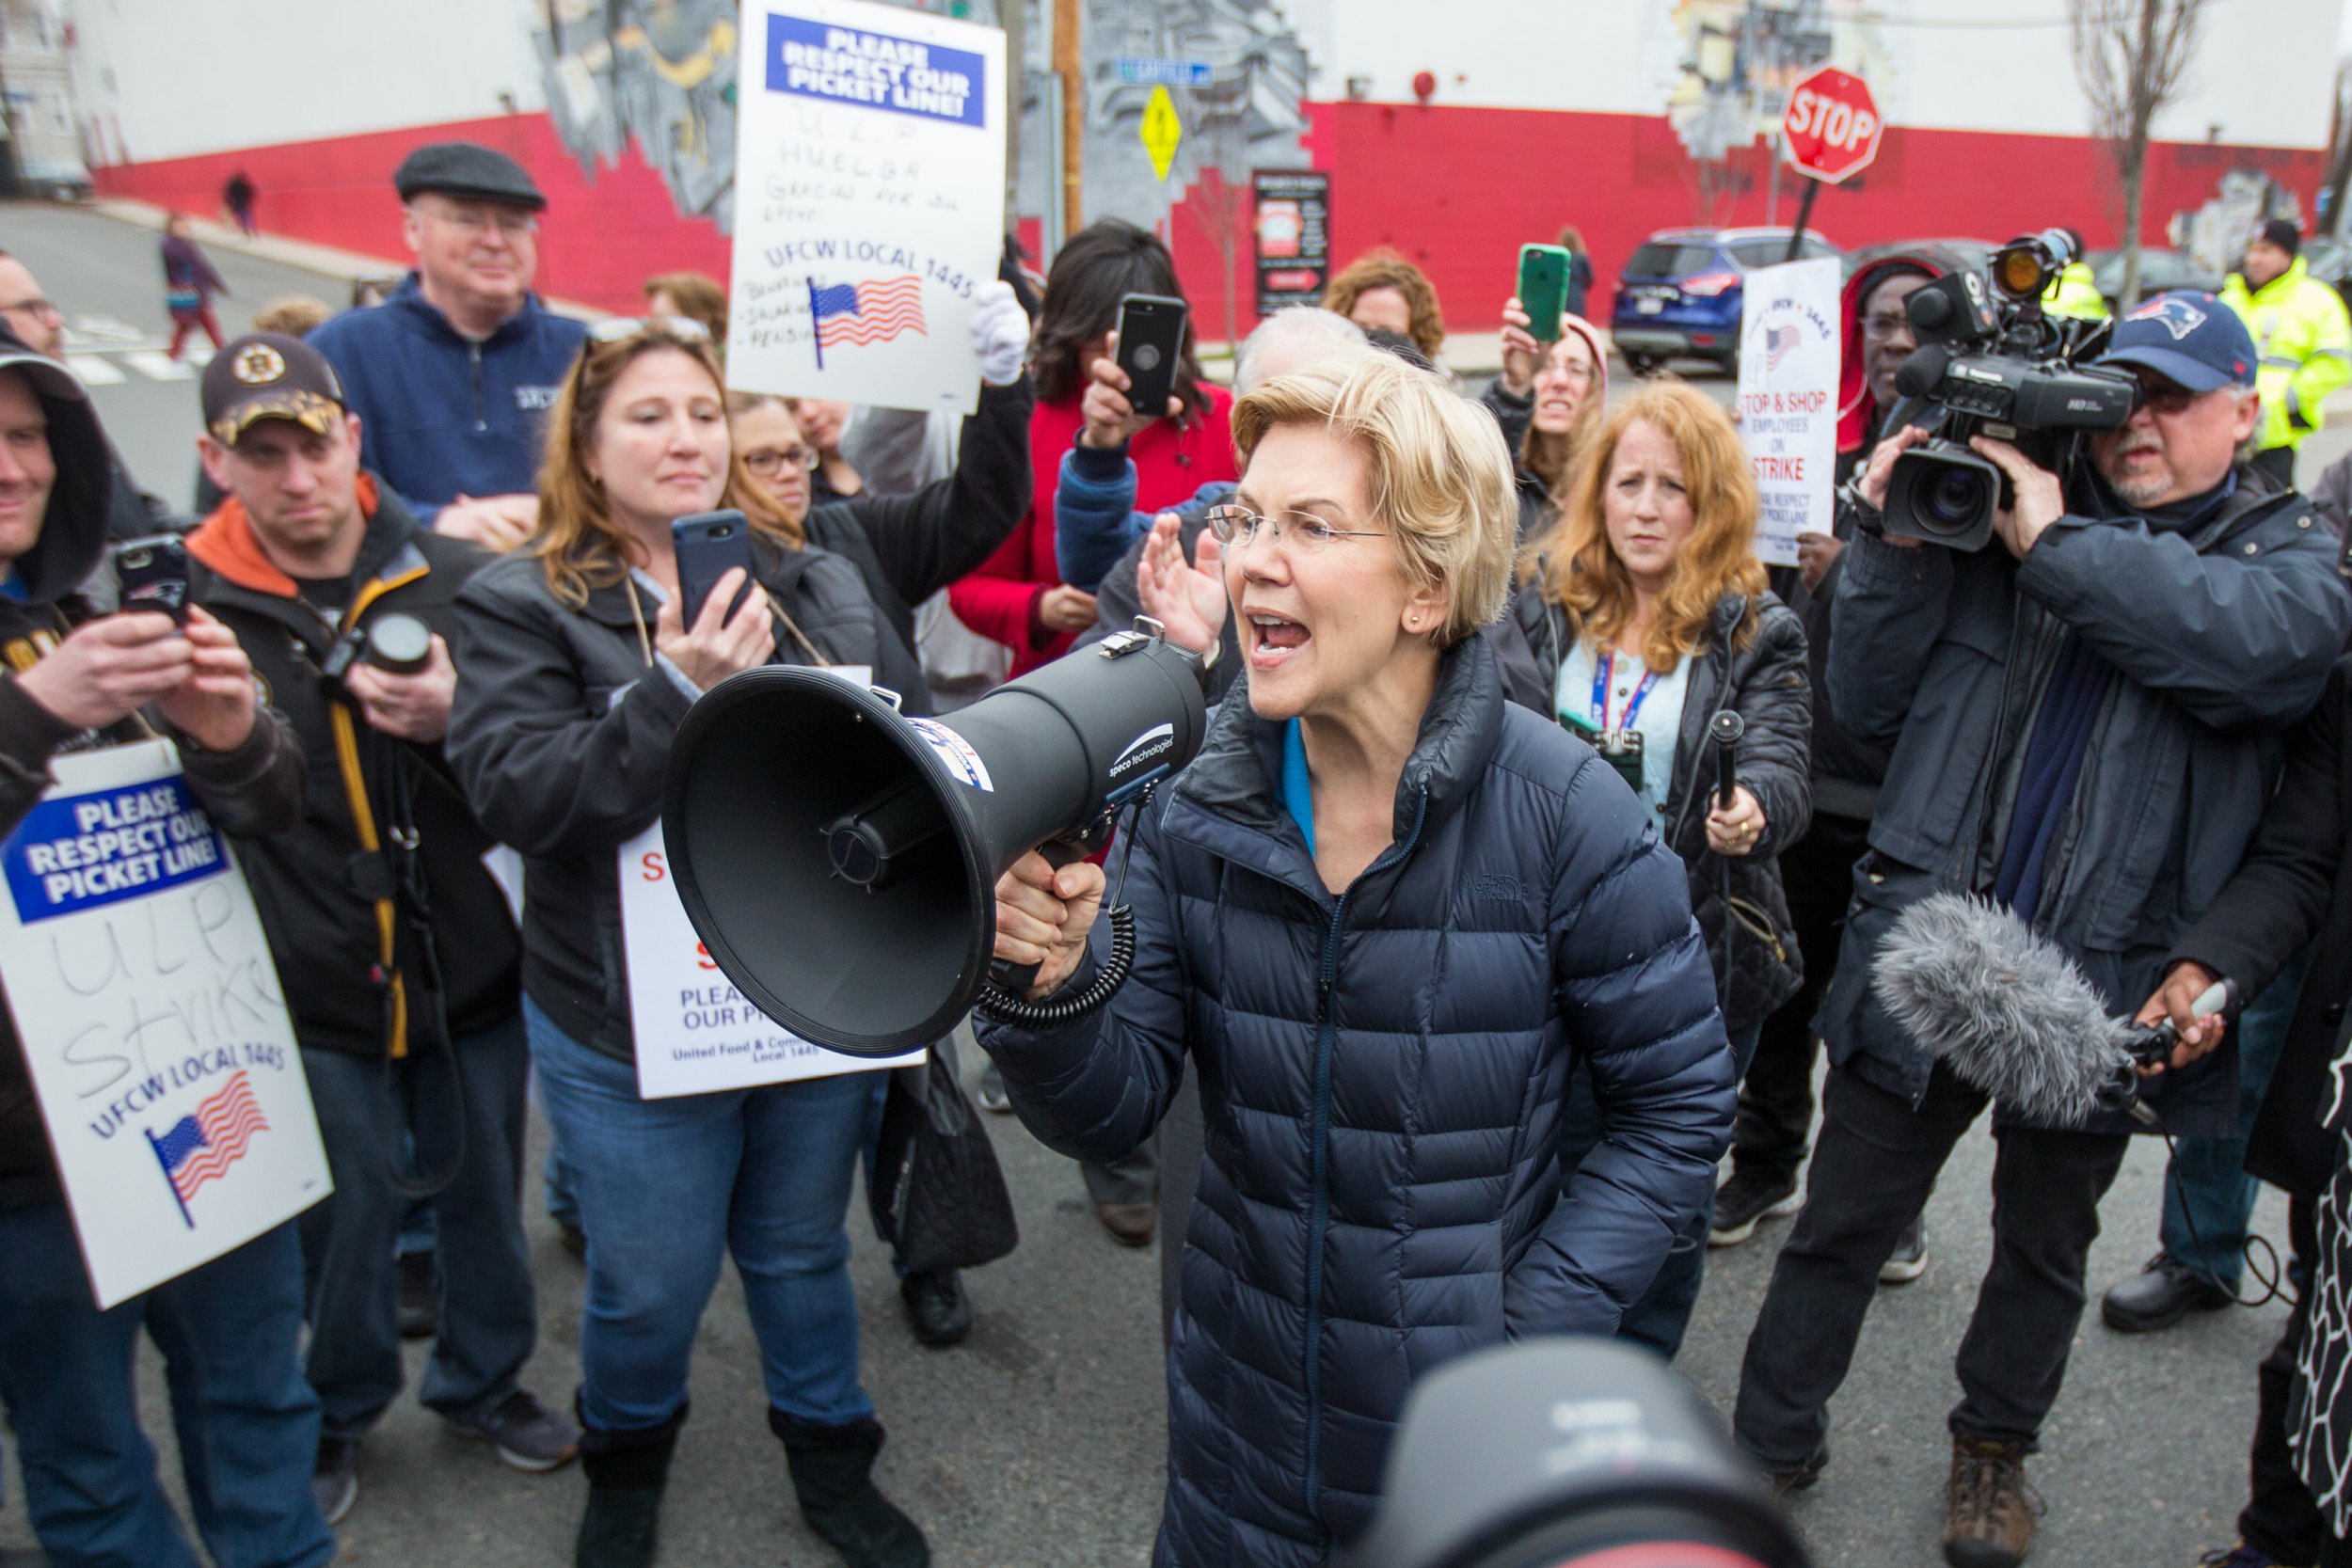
1038,1441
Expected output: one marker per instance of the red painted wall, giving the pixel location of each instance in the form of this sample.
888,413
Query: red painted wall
1457,190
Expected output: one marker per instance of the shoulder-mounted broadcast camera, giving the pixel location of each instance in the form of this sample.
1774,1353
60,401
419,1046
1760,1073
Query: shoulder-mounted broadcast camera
1991,363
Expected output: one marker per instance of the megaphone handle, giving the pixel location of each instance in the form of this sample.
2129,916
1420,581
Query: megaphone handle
1018,978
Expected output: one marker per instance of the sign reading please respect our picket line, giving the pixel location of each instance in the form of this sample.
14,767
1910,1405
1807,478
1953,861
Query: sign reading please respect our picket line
151,1022
869,202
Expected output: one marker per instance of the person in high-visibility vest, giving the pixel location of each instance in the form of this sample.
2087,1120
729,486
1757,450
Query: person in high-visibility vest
2303,334
2074,292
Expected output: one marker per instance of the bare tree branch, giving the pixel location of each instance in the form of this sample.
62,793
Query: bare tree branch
2132,59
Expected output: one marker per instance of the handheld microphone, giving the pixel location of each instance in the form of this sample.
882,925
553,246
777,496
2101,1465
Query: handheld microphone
1725,729
2013,1016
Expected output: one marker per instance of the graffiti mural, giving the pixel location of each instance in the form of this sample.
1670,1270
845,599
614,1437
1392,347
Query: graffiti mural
1248,116
1732,64
657,72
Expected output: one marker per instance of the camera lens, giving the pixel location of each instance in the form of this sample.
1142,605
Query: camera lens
1953,500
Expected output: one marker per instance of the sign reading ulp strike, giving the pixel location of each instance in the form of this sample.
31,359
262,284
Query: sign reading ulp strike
1788,356
869,199
151,1022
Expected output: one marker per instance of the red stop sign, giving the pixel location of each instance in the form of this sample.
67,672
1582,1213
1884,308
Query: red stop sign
1832,125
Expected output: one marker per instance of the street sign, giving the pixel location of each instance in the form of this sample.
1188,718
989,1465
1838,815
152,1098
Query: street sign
1163,127
1832,125
1294,236
1142,72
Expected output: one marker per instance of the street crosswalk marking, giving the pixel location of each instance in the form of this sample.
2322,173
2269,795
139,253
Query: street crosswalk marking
94,344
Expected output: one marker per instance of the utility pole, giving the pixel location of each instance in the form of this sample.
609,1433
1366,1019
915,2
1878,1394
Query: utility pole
1070,66
1014,17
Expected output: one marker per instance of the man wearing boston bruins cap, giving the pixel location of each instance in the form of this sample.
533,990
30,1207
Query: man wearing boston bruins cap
399,957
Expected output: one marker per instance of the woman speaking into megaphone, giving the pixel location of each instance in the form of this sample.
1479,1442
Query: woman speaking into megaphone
1383,912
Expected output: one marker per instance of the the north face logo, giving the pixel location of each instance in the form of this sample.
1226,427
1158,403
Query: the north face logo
1506,888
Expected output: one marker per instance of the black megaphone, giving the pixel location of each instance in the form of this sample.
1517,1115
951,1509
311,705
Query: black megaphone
839,861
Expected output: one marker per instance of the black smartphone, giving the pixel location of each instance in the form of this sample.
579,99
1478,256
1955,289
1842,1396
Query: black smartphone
707,545
1151,340
152,574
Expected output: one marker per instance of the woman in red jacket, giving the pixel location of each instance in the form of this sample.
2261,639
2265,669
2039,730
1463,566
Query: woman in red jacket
1017,596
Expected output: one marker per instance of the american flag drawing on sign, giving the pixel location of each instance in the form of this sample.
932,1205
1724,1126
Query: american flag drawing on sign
197,1148
1778,340
865,312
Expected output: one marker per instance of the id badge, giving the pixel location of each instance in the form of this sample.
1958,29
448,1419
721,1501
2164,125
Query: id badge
1622,750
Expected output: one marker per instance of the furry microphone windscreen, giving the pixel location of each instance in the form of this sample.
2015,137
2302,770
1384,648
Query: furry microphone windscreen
2005,1008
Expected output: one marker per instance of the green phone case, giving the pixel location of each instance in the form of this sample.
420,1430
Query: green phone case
1544,287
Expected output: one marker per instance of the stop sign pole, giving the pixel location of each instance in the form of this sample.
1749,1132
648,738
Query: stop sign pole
1830,134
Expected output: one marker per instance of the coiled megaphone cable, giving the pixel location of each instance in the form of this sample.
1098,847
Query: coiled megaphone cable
1059,1011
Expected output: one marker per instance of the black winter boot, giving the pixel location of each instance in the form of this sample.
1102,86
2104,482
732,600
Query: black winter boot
626,1472
832,1475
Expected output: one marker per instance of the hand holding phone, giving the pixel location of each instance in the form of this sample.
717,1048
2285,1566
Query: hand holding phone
1151,345
152,574
1544,289
708,544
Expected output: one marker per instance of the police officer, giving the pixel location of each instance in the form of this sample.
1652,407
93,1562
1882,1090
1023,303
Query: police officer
399,957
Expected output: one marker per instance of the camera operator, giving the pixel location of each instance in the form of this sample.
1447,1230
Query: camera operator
2085,722
2294,893
401,962
229,1329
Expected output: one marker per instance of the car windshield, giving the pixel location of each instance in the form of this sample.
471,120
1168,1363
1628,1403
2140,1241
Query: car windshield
1660,259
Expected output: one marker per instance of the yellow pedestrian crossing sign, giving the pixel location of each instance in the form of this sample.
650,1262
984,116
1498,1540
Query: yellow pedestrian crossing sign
1163,127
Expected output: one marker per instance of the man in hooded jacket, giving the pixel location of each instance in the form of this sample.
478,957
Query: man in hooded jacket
228,1329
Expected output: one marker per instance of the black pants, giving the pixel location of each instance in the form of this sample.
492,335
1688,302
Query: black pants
2280,1516
1776,1098
1876,1163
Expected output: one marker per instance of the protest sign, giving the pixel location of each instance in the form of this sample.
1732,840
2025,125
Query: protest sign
1788,361
152,1024
869,202
695,1032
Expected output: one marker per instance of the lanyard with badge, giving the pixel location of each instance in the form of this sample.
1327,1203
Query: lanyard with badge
1619,744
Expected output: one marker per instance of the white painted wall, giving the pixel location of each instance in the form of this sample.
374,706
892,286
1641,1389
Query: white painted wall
1975,65
168,78
171,78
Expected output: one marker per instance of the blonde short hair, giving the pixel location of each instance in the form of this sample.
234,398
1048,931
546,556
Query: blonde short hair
1441,475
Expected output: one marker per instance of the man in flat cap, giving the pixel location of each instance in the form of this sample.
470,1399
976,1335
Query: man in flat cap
452,377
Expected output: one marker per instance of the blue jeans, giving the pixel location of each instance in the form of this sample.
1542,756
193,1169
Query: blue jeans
489,1316
2208,1197
1661,1315
667,1189
247,1424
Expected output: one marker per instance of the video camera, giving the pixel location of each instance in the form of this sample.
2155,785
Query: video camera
1569,1452
1991,363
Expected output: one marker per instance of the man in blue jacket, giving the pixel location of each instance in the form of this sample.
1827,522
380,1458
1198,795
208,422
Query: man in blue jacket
2085,719
453,376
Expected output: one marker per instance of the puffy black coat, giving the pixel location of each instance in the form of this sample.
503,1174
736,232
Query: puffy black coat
1382,1075
1763,677
561,735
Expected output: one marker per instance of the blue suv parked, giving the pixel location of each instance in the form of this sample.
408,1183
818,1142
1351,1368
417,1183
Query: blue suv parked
1678,295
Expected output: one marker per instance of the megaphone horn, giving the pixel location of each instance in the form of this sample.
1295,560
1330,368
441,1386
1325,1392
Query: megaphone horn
840,860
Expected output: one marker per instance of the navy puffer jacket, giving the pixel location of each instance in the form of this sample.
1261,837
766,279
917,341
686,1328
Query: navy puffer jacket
1381,1075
